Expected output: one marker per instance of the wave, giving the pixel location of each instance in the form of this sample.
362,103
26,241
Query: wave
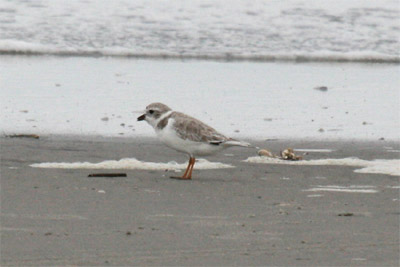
10,47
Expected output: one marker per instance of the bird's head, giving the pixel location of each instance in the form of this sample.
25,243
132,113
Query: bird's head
153,113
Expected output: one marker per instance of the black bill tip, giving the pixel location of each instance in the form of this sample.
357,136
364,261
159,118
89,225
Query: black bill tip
141,118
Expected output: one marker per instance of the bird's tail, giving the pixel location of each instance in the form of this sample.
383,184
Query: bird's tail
233,142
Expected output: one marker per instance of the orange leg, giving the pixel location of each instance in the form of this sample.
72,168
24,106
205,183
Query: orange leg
191,168
188,173
187,169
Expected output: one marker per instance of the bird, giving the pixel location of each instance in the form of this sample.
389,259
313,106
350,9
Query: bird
186,134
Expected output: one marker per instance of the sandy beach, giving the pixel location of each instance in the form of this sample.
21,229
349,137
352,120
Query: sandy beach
337,207
252,214
321,78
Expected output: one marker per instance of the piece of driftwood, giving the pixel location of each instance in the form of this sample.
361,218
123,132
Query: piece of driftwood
107,175
35,136
346,214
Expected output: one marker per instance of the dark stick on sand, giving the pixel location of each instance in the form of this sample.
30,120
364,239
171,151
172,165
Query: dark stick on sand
35,136
107,175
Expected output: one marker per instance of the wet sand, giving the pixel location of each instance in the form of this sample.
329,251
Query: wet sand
253,214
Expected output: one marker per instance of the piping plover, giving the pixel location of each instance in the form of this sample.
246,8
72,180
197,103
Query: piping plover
186,134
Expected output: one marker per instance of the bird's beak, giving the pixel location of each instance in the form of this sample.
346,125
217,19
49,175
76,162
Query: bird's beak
141,118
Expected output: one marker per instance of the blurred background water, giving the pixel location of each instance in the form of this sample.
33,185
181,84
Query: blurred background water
342,30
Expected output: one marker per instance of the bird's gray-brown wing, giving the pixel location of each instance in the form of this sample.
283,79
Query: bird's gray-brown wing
189,128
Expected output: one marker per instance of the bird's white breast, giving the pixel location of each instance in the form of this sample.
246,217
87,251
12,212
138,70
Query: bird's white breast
169,137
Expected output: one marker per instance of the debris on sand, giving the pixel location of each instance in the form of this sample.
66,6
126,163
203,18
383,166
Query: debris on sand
287,154
265,153
321,88
35,136
107,175
346,214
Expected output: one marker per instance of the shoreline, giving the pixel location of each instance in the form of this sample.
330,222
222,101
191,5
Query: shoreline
153,138
228,57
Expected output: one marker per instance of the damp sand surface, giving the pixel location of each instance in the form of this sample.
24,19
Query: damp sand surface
252,214
104,96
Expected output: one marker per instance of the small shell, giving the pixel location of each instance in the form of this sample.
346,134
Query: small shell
288,154
265,153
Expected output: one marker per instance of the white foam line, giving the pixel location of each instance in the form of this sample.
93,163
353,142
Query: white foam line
130,164
351,186
313,150
383,166
346,189
318,189
394,187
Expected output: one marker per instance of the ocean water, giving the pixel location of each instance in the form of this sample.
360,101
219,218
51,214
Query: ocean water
82,67
341,30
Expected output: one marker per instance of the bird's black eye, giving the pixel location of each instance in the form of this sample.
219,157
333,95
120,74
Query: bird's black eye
151,111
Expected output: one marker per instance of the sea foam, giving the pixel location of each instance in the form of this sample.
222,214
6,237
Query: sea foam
382,166
131,164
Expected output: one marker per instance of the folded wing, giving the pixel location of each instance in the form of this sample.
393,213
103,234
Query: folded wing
189,128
